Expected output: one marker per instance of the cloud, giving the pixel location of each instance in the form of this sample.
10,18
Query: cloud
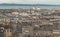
50,1
31,1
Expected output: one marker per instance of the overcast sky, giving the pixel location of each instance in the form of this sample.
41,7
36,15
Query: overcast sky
31,1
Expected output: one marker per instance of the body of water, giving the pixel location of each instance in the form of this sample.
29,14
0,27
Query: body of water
42,7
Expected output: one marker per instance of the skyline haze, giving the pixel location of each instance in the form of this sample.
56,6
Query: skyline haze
56,2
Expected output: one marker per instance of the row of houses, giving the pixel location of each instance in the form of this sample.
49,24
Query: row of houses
30,23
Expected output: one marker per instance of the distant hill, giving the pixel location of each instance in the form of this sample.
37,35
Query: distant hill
27,5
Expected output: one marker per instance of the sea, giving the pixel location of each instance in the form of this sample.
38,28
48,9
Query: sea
28,6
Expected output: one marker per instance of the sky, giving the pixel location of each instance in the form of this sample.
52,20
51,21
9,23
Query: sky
31,1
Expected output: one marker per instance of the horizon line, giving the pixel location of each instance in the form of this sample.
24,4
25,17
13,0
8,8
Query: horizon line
30,4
